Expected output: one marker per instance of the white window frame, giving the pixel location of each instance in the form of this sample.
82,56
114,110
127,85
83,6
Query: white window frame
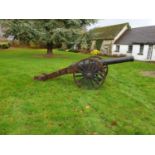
117,48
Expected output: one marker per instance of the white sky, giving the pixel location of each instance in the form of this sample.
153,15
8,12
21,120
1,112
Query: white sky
133,22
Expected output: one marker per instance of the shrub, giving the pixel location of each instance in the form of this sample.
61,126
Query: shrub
4,45
72,50
84,50
95,52
15,43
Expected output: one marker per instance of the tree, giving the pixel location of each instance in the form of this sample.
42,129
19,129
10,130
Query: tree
21,30
84,40
51,32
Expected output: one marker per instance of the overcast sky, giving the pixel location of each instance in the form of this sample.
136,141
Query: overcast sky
132,22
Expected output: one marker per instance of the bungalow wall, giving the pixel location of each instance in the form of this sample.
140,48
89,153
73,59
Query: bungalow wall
145,55
103,45
136,52
93,45
153,54
124,50
106,46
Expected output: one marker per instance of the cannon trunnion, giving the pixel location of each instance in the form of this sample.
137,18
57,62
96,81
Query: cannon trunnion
89,73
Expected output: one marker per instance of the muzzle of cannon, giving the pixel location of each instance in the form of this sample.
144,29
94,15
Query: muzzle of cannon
89,73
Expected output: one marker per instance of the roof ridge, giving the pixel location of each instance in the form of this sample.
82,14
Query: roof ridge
143,35
110,26
143,27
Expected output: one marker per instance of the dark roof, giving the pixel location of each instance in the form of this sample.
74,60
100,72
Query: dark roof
107,32
140,35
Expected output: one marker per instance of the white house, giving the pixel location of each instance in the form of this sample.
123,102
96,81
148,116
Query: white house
138,42
104,37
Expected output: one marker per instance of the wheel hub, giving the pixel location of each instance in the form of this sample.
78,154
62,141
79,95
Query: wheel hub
89,75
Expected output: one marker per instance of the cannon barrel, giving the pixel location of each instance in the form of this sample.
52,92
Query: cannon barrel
117,60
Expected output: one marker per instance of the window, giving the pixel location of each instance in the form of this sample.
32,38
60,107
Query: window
117,48
141,50
130,49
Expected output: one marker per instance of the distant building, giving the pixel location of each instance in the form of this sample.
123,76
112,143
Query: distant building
138,42
104,37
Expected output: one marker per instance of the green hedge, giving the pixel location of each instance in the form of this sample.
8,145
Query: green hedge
4,45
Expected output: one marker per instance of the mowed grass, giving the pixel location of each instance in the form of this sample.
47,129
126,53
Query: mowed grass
125,104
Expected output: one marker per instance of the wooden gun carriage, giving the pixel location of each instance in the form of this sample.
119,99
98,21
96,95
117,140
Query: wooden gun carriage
90,72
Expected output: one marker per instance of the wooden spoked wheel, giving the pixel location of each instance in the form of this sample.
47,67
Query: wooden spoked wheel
90,73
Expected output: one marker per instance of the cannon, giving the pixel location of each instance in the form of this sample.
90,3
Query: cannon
89,73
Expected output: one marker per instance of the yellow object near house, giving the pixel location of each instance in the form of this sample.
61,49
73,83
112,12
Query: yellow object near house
95,52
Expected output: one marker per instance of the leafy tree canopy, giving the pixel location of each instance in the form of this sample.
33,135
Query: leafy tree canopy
51,32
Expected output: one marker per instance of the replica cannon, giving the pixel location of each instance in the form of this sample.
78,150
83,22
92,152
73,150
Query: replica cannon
90,72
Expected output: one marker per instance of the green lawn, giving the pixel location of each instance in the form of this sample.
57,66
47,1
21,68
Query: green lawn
125,104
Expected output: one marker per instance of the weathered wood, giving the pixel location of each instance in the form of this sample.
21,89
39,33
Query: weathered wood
44,76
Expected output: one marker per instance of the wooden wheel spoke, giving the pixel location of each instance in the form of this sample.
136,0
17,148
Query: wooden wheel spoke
85,68
93,83
99,78
91,73
81,68
90,66
102,74
89,83
94,69
96,81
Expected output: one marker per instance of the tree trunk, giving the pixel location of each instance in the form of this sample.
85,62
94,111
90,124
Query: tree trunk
49,49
